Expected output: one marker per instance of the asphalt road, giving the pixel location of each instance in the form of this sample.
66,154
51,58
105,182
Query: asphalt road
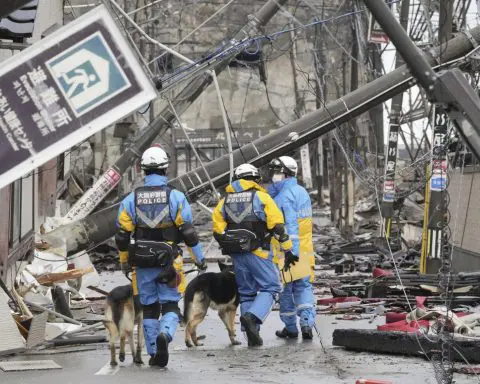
276,362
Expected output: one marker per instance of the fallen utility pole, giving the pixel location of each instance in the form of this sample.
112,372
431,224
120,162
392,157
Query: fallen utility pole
394,128
100,226
112,176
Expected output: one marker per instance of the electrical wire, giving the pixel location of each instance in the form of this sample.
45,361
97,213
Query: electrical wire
218,54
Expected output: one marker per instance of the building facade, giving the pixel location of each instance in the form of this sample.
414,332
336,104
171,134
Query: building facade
26,202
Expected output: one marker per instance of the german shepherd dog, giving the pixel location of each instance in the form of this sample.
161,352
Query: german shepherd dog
122,312
215,290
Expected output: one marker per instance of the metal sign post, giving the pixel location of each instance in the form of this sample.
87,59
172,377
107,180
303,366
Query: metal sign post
63,89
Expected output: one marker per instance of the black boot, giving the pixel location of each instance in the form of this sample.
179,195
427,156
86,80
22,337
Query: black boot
285,334
249,322
161,357
307,333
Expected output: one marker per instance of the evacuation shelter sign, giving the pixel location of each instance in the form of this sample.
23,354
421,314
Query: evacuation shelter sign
63,89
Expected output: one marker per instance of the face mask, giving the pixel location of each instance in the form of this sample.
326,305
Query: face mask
277,177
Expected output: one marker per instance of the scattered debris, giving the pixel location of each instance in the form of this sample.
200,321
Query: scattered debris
30,365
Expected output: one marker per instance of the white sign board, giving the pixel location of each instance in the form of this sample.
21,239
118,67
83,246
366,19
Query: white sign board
306,169
93,196
63,89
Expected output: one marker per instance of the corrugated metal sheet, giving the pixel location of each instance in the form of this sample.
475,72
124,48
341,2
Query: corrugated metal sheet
19,24
36,332
11,340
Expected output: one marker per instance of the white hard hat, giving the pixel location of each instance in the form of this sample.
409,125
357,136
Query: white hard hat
154,158
246,170
284,164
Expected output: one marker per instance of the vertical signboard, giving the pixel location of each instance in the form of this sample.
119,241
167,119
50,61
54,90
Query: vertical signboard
87,203
438,186
65,88
306,169
390,165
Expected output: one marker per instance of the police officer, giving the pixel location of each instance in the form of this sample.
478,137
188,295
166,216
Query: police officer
243,224
152,220
297,295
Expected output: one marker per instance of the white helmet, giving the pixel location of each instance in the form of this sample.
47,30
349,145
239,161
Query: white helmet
154,158
246,170
284,164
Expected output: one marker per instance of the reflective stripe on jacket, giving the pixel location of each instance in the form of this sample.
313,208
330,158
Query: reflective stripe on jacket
179,209
264,209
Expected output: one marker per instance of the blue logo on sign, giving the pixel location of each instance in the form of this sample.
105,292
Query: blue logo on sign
88,74
388,197
438,183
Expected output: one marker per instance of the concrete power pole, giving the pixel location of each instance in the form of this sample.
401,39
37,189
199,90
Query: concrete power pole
438,181
394,127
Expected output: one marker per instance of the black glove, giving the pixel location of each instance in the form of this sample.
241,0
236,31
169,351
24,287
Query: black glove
290,259
202,266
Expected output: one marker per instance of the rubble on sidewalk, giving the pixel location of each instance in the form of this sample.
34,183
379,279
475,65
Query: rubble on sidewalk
48,304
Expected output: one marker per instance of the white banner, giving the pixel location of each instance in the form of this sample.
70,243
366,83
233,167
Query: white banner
306,170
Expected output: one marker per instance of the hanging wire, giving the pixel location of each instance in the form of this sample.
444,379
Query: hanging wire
193,148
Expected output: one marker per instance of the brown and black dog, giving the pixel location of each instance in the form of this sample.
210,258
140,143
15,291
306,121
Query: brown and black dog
215,290
122,312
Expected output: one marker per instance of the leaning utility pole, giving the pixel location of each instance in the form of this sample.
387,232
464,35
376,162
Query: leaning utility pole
112,176
100,226
438,180
391,157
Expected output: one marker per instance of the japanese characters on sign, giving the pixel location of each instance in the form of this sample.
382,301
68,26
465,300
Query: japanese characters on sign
60,91
438,181
94,195
390,164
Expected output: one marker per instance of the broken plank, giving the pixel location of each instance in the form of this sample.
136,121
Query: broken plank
56,277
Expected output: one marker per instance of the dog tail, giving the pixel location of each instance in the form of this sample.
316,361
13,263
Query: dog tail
116,298
187,301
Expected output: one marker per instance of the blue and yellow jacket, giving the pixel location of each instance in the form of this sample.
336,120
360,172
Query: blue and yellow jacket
263,205
178,204
295,204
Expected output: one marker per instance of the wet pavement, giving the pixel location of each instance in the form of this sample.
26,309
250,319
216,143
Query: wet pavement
276,362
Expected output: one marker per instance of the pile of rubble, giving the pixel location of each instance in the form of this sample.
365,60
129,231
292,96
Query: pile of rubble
47,304
360,279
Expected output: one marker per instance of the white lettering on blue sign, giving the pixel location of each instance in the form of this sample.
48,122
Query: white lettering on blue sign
242,197
438,183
